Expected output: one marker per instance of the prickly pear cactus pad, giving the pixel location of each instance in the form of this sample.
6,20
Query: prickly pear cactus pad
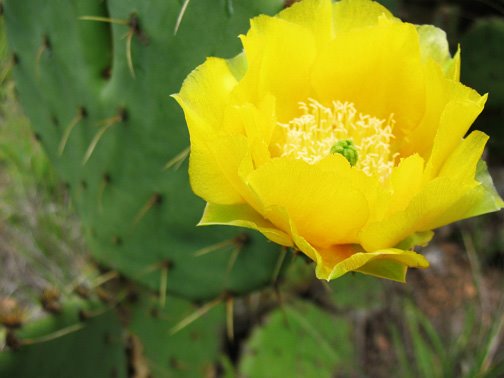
191,351
81,339
339,131
95,79
299,340
357,292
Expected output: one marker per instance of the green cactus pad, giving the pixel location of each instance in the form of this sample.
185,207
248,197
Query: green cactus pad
67,345
98,96
357,292
299,341
191,352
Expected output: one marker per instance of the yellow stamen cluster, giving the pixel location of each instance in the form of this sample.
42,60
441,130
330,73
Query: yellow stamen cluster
311,136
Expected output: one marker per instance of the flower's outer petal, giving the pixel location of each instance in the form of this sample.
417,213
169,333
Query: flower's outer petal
325,258
461,164
457,117
314,15
490,199
383,268
320,199
205,94
390,263
238,66
407,178
423,211
418,239
434,45
379,69
452,196
215,126
215,157
243,215
475,201
442,87
280,55
354,14
213,168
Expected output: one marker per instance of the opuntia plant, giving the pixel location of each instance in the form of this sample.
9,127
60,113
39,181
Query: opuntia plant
95,78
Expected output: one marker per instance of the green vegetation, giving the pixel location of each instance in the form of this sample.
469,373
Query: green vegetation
67,342
98,95
300,340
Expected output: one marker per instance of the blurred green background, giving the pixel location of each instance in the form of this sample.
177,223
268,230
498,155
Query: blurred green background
448,321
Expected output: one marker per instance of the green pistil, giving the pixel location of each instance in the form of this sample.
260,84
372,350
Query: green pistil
347,149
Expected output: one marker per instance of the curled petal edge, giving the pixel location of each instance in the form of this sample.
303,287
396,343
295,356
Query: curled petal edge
390,263
242,215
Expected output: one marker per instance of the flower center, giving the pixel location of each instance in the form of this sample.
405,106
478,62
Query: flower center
365,141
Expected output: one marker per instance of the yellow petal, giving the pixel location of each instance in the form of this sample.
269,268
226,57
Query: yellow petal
243,216
418,239
390,263
419,139
406,181
485,180
280,55
421,215
319,199
434,45
214,167
489,199
257,123
446,199
354,14
325,258
314,15
480,199
205,94
457,117
461,164
357,67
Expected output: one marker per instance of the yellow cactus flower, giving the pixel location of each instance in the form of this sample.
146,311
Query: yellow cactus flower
339,131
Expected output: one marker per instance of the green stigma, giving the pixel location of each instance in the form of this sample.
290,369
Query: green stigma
347,149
